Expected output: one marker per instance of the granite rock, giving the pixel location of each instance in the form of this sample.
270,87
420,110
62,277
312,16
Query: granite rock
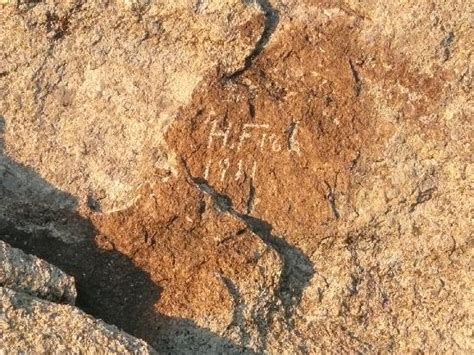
26,273
271,175
32,325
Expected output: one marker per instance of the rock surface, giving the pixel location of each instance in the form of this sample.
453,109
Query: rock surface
247,176
110,75
29,274
37,326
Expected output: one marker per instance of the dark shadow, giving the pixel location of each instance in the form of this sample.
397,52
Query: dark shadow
110,286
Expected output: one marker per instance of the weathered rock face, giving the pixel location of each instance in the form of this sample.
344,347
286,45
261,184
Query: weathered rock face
111,77
29,274
33,325
295,172
37,326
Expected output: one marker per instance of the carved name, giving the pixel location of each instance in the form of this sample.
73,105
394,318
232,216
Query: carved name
258,137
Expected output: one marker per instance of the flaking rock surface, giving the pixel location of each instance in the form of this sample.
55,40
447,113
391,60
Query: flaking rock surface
247,176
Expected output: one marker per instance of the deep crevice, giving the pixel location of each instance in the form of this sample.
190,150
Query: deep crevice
331,197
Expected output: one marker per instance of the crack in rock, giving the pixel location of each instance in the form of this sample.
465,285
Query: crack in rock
272,18
251,197
357,79
239,306
298,269
331,197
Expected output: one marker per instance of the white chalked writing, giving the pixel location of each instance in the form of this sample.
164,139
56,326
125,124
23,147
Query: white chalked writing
256,135
246,132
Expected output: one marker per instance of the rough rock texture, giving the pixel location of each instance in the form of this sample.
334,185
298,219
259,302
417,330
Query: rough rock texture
29,274
247,176
93,84
31,325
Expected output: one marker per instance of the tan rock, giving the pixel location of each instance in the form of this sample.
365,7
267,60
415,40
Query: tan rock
31,325
26,273
279,176
111,78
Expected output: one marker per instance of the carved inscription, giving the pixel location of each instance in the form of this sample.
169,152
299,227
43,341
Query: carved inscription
257,138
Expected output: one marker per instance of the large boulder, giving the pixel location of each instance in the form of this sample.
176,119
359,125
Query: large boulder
32,320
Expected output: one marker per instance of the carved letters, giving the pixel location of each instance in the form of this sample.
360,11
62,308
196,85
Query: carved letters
257,137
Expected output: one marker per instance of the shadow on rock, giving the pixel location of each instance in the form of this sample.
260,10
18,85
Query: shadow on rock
37,217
